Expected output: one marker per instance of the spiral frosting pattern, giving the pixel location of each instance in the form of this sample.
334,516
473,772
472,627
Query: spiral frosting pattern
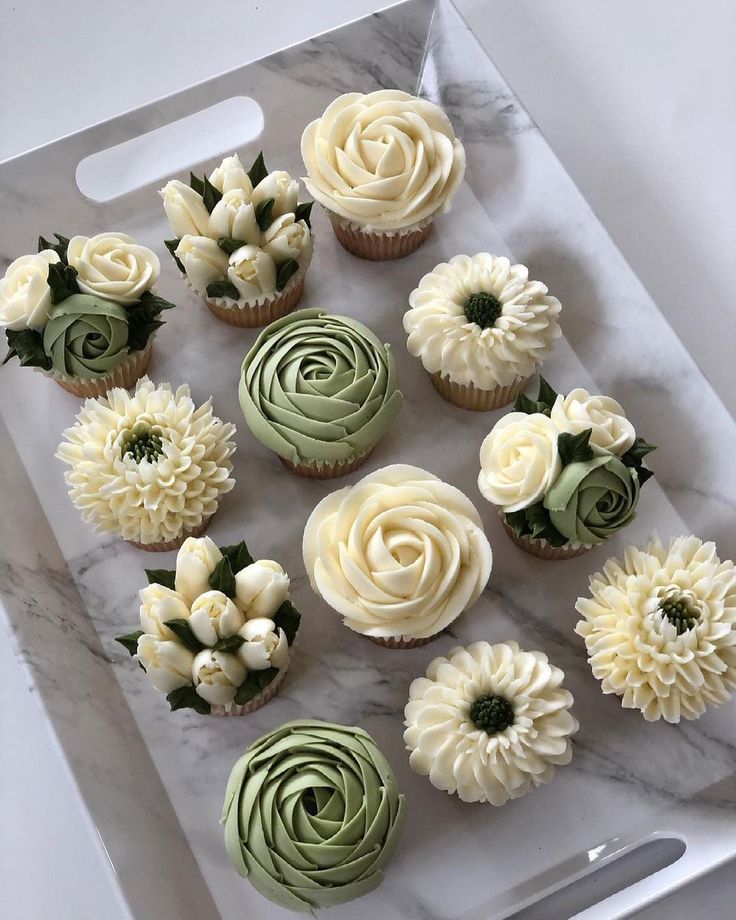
312,814
86,336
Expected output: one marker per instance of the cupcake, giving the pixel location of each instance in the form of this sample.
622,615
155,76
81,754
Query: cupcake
151,466
320,390
481,328
383,165
217,634
565,471
400,555
312,815
489,722
242,240
83,311
660,629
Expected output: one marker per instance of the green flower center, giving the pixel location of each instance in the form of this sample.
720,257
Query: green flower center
680,612
142,442
483,309
492,714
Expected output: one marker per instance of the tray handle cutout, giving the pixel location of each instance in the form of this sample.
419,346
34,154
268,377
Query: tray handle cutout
217,130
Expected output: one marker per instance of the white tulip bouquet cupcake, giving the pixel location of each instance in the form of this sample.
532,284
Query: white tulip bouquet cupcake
565,471
83,310
217,634
242,240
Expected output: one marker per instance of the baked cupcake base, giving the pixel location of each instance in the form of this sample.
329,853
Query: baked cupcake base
125,375
167,546
542,549
472,398
251,317
379,247
400,641
326,470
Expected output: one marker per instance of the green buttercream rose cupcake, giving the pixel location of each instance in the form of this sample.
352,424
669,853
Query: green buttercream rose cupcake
312,815
320,390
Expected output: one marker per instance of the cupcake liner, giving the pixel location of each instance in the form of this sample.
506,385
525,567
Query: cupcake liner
378,247
542,549
124,375
167,546
268,694
468,396
401,642
325,470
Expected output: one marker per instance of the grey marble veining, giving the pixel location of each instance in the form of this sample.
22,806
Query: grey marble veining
153,781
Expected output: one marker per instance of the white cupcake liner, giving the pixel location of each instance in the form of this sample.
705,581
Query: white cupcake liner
468,396
379,246
323,469
167,546
124,375
347,224
543,549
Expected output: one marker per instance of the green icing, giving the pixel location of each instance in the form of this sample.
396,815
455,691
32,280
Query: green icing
319,387
86,336
492,713
592,499
483,309
312,814
680,612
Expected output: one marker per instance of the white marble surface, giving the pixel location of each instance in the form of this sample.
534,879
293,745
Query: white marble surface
566,247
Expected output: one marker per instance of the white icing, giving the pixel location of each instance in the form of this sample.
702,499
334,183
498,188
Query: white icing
383,160
610,429
460,758
400,553
636,652
25,295
450,344
113,265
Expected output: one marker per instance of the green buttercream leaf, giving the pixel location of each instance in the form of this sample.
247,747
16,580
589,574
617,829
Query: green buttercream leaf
183,632
229,245
285,272
59,247
130,641
264,213
188,698
575,448
210,195
644,474
143,321
254,683
172,246
258,170
238,556
222,578
223,289
196,183
304,212
229,644
288,618
161,577
27,346
547,395
537,518
523,403
62,281
517,521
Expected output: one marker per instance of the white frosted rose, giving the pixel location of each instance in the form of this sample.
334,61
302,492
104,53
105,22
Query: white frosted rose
385,160
195,562
282,188
261,588
231,174
214,616
217,676
399,554
203,260
519,460
159,605
113,265
25,296
252,271
185,209
610,429
168,664
285,238
235,217
264,646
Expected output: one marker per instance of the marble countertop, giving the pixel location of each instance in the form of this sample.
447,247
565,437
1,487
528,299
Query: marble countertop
612,332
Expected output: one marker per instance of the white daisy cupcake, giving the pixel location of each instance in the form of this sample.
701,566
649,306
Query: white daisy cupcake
660,629
481,328
489,722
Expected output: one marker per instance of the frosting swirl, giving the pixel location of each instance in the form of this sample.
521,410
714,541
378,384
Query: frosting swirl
317,387
399,554
609,428
312,814
471,344
113,265
383,160
86,336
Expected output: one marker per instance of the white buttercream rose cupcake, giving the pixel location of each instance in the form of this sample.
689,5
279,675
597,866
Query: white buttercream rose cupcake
218,633
400,555
150,466
481,328
242,240
383,165
489,722
660,628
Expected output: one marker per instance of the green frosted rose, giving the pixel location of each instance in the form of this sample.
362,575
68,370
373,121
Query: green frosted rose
591,500
86,336
312,814
319,387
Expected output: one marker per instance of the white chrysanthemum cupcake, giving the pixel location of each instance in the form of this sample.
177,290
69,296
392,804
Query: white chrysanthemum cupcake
151,466
481,328
660,629
489,722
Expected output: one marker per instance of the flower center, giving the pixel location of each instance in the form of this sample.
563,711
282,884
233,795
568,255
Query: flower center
483,309
309,801
492,714
680,612
142,442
